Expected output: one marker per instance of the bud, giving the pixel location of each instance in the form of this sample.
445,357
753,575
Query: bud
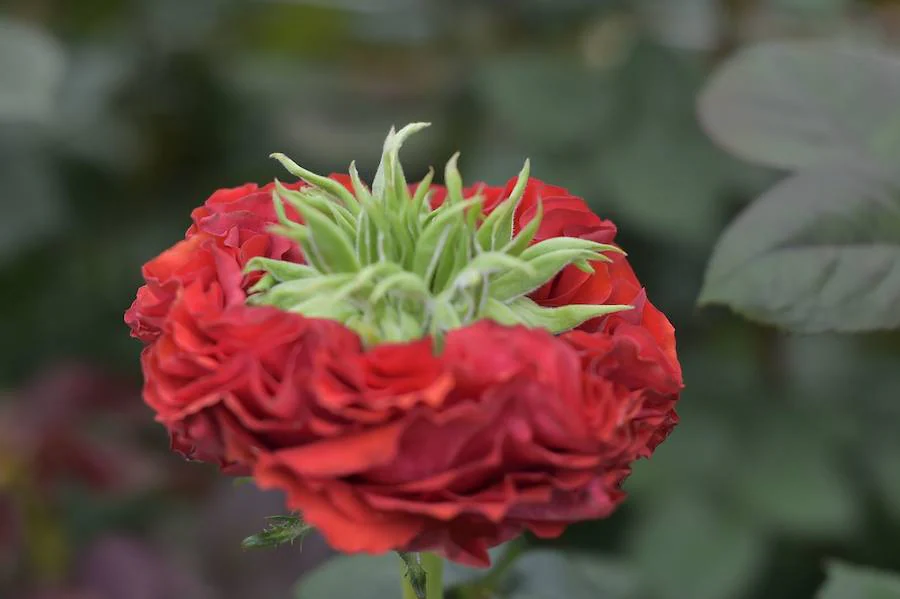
392,268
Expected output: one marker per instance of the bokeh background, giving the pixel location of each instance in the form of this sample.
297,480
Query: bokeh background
119,116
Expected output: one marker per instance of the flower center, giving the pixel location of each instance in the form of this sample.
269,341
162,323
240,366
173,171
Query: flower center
392,268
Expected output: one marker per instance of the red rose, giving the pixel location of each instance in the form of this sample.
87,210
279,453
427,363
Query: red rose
226,378
396,446
507,430
236,221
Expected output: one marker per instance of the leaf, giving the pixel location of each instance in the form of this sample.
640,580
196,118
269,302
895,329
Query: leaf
689,547
280,530
32,198
796,103
790,479
819,252
32,65
882,463
846,581
522,94
548,574
457,574
663,174
688,24
361,576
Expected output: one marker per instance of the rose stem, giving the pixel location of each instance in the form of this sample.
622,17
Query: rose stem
418,566
434,572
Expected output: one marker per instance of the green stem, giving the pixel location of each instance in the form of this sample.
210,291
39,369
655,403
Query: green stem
417,566
434,572
504,564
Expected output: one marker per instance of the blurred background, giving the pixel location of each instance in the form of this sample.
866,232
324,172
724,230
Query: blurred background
119,116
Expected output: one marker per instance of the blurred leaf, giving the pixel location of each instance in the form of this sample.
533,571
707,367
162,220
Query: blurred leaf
812,8
32,65
30,200
792,104
548,100
882,459
667,179
456,574
176,26
663,174
819,252
547,574
688,24
358,576
90,126
280,530
790,479
846,581
689,547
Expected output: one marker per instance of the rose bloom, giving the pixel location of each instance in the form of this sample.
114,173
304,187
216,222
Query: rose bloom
397,447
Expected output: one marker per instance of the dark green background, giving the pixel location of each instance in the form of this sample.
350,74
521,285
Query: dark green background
788,452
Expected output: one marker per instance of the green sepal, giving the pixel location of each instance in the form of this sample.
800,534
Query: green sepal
280,530
290,293
524,311
366,279
420,199
266,282
547,263
384,176
453,181
280,270
361,192
429,244
502,231
327,241
496,230
404,282
490,263
569,243
454,260
319,201
584,266
563,318
521,241
323,306
377,223
324,183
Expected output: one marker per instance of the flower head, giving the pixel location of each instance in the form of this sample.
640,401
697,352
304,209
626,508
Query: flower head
414,366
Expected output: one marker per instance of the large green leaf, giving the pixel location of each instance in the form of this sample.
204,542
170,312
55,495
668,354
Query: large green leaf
846,581
795,103
691,547
549,101
31,68
358,576
31,198
663,175
819,252
548,574
789,478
